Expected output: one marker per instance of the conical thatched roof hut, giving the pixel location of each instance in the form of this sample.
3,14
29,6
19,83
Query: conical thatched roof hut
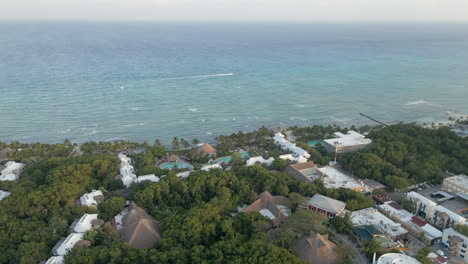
139,229
204,149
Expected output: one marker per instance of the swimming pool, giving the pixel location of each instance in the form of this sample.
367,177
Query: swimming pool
228,159
172,165
312,143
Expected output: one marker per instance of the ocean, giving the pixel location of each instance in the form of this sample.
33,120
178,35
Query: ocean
145,80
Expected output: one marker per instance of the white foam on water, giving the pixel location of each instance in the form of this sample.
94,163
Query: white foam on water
209,133
64,131
299,106
417,102
193,110
342,120
203,76
137,124
122,87
135,108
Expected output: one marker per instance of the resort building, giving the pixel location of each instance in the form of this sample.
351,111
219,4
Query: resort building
127,171
351,141
285,144
4,194
317,249
183,174
305,172
204,149
415,225
54,260
149,177
259,160
292,158
64,245
457,185
424,207
136,227
5,153
456,243
86,223
12,171
444,218
276,208
211,166
324,205
394,258
92,199
372,217
334,179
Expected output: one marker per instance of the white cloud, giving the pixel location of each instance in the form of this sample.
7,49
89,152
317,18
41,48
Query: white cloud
302,10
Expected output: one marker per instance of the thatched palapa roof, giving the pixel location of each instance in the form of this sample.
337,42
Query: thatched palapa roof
317,249
204,149
139,229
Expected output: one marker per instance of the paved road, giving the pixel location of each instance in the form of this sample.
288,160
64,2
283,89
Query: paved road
358,257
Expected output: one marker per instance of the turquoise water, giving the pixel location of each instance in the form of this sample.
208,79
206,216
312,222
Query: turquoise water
312,143
228,159
140,81
172,165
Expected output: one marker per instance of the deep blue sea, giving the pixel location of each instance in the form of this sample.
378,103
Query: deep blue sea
141,80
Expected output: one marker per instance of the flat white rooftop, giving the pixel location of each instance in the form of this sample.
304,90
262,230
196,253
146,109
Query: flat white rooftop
418,197
370,216
393,209
394,258
335,179
352,138
461,180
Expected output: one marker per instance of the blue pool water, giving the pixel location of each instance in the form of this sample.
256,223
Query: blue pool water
140,80
228,159
313,143
172,165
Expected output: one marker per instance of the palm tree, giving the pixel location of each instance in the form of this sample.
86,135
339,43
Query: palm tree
175,143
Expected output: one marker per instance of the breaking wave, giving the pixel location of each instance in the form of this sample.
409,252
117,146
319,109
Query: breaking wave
137,124
203,76
418,102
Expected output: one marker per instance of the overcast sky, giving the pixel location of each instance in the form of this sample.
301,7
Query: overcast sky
238,10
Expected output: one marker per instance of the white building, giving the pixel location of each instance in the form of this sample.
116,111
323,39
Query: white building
415,225
445,218
394,258
334,179
92,198
456,243
350,141
84,223
55,260
66,244
127,171
424,207
370,216
290,157
259,160
149,177
4,194
457,185
183,174
211,166
12,171
285,144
